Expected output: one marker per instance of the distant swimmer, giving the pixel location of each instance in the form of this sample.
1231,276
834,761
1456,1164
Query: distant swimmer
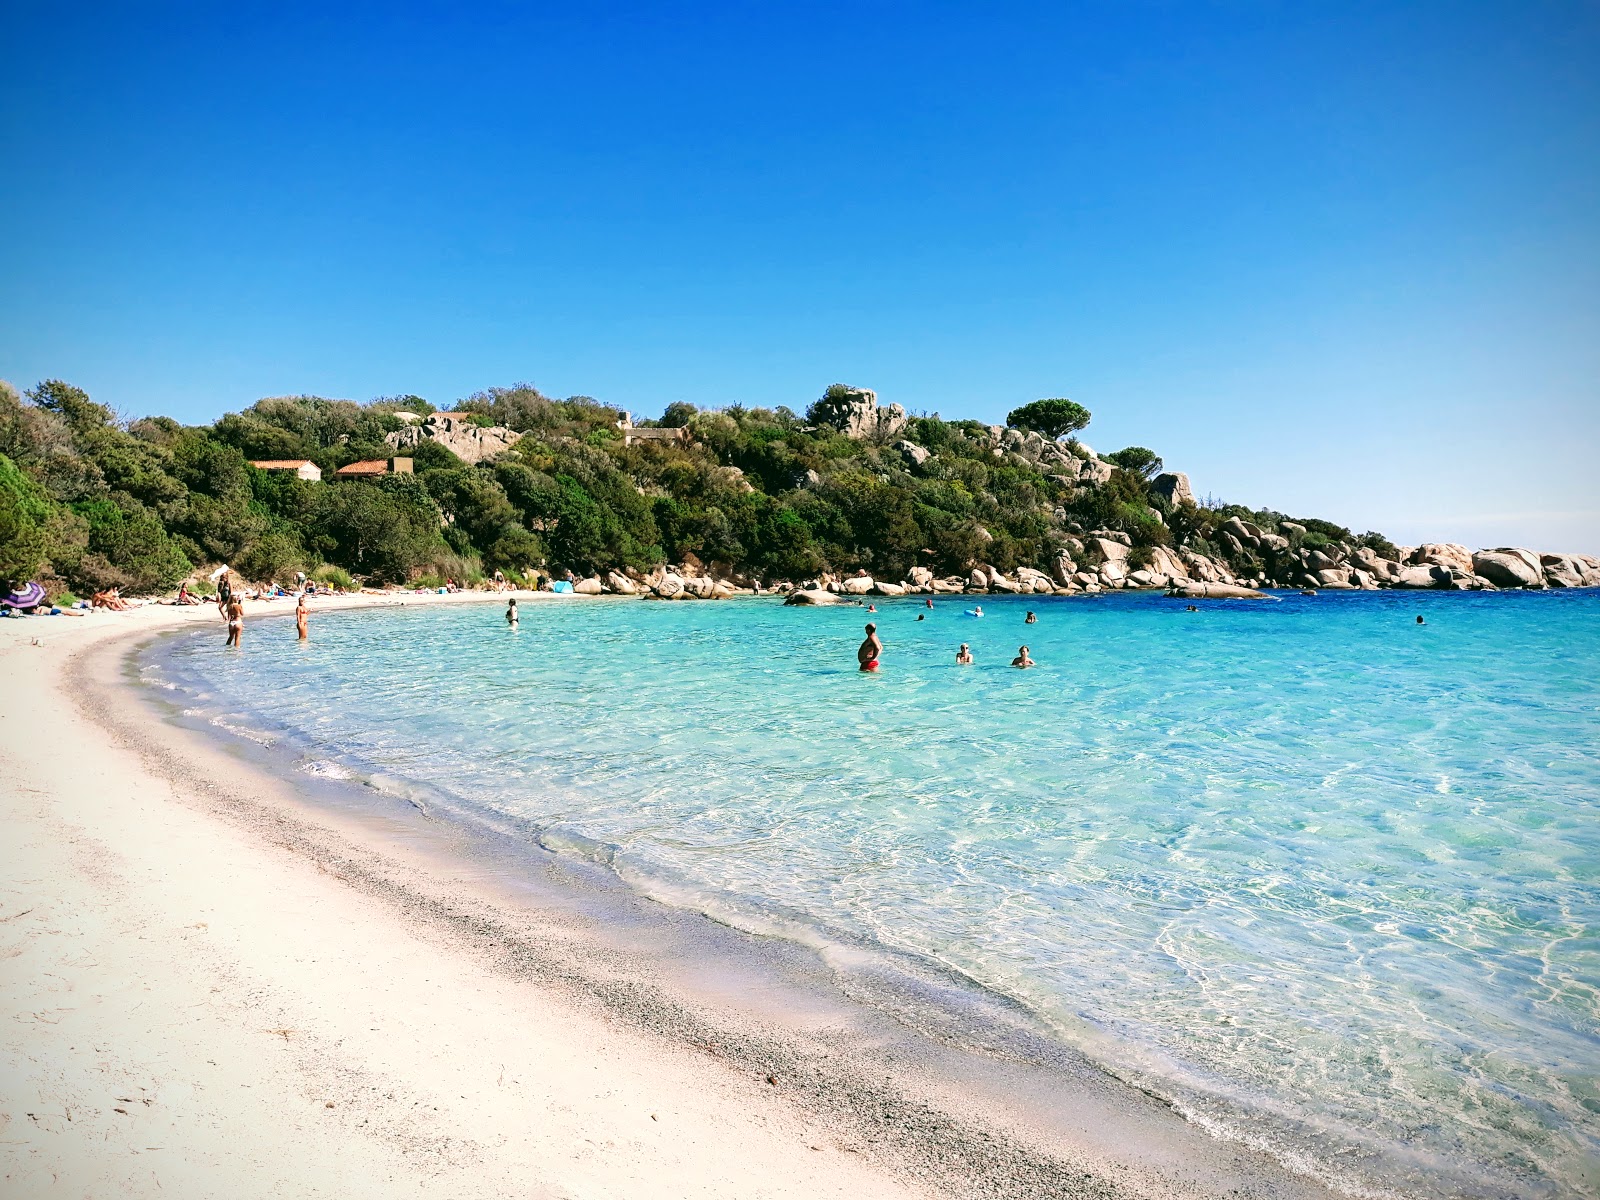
1022,659
867,656
928,603
511,613
1030,619
1420,621
301,614
922,616
963,656
872,608
1192,608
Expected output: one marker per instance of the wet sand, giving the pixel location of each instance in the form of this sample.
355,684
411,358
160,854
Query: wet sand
216,986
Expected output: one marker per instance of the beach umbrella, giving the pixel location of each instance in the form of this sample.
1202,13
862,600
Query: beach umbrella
29,595
219,573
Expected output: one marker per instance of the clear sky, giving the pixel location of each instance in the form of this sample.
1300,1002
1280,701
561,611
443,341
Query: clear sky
1342,259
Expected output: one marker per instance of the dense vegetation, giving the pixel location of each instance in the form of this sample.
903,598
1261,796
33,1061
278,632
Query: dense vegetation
88,501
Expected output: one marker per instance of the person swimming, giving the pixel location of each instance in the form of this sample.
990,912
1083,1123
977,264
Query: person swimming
1191,608
1022,659
1030,619
872,608
868,653
1420,621
928,603
922,616
511,612
963,656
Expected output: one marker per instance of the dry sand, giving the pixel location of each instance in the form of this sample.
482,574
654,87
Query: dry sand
207,989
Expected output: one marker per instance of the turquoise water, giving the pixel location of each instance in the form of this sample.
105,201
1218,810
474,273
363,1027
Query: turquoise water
1323,877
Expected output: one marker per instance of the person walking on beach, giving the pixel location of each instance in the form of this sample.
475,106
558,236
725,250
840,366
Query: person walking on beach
235,615
511,613
963,656
302,614
867,655
1022,659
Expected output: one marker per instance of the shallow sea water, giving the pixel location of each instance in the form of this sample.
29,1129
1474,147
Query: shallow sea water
1324,878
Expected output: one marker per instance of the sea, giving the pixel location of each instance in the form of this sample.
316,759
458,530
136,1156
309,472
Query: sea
1321,876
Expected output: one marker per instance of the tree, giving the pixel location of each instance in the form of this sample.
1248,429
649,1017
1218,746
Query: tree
381,528
1054,418
1143,463
24,518
677,414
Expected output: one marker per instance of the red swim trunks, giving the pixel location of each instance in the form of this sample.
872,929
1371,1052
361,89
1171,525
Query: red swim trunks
870,666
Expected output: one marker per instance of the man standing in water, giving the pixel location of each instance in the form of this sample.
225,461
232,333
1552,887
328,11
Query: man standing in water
867,655
1022,659
301,614
963,656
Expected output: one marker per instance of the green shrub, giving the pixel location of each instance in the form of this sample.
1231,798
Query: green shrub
333,576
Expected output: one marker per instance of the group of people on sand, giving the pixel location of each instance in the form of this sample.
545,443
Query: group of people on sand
110,598
871,649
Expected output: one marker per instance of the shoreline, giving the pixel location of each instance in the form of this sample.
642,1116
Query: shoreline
831,1121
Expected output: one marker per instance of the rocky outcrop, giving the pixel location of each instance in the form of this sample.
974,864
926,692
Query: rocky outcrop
1173,487
470,443
859,586
1509,567
1570,570
589,587
1442,554
855,413
811,596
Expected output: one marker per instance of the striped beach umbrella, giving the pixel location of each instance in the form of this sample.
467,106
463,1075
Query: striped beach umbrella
29,595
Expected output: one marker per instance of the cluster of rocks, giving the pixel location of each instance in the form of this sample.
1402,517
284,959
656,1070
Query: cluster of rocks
1286,562
855,413
472,444
667,583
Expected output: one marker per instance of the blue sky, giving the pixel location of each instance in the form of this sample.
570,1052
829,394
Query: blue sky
1340,259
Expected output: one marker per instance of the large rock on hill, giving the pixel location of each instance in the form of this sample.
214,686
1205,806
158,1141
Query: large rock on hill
472,444
1509,566
855,413
1173,487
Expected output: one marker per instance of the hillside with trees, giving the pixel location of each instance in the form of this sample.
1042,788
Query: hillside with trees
88,501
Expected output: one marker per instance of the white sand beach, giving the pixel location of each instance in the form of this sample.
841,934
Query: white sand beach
209,990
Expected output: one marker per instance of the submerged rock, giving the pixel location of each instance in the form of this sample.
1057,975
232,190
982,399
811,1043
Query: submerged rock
1215,591
810,596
